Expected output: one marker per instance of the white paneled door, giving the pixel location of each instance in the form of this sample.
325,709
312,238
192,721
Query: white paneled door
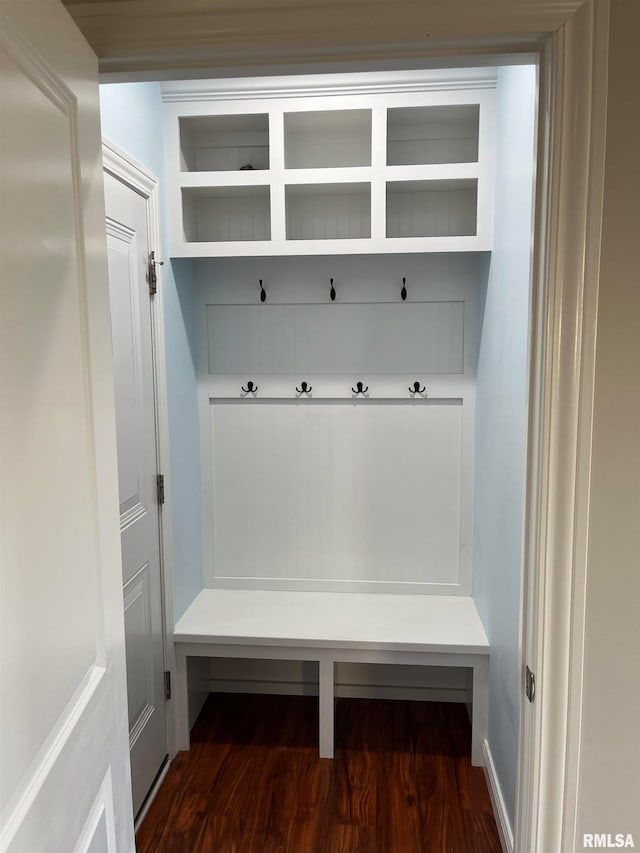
131,324
64,760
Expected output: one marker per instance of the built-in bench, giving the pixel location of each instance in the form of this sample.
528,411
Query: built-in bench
333,628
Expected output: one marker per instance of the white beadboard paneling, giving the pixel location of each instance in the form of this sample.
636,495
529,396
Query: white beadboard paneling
340,492
420,135
226,213
432,208
358,278
328,211
219,143
345,339
451,684
360,282
327,139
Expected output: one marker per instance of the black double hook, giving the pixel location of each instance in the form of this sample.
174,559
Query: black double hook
263,292
250,389
359,389
304,388
403,292
417,389
332,292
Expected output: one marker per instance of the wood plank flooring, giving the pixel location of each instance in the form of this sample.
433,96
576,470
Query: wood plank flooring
401,781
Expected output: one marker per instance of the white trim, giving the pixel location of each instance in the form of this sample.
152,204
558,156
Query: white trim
131,173
497,800
592,245
24,795
102,805
562,392
327,85
128,171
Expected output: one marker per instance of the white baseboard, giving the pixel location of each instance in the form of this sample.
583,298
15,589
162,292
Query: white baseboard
497,801
152,794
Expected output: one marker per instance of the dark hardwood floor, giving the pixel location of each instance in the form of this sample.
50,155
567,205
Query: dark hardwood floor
401,781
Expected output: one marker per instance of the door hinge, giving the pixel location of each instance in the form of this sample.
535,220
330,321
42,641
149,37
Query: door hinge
530,685
160,486
167,685
153,274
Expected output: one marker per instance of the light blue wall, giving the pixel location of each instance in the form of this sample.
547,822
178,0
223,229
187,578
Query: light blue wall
131,116
501,409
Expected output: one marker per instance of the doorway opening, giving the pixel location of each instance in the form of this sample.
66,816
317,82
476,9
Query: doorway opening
492,284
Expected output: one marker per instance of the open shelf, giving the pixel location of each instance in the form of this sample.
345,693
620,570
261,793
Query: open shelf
224,143
431,135
328,211
219,214
327,139
432,208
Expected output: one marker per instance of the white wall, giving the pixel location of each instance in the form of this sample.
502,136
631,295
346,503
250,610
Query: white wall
609,782
501,400
131,117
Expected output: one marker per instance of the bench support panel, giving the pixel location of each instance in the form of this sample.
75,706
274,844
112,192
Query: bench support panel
326,706
326,682
480,711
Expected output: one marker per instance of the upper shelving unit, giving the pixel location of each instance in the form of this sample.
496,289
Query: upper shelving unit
331,164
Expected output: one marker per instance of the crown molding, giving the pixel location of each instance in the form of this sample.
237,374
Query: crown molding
324,85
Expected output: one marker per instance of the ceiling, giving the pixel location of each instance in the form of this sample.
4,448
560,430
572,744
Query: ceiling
138,38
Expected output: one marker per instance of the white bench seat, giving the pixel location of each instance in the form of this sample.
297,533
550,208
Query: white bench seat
331,628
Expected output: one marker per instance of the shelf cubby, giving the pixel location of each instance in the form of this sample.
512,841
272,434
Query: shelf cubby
220,214
327,139
224,143
432,135
328,211
432,208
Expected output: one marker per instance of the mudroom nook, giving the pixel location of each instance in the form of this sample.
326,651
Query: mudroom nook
346,294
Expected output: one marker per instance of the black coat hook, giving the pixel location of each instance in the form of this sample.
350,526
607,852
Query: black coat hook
304,388
403,292
250,389
359,389
332,292
417,389
263,292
